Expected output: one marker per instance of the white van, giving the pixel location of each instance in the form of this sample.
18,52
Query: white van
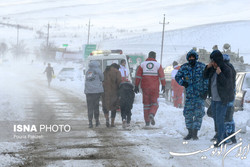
106,60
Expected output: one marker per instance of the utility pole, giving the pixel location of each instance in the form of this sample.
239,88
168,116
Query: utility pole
17,36
88,31
17,41
162,41
48,36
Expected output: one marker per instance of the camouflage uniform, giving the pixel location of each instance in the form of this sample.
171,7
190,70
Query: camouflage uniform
195,92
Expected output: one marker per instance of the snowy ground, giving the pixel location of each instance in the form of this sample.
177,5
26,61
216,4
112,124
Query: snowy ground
23,85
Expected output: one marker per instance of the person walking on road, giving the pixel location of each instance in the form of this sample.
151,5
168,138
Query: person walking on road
190,75
126,100
49,72
148,75
112,80
93,90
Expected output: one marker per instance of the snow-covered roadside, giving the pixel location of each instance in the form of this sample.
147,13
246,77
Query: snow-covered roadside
170,125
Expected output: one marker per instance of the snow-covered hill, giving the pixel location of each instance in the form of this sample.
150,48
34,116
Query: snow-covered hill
136,22
128,14
178,42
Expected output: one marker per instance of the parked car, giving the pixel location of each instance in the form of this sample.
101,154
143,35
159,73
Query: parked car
66,74
242,85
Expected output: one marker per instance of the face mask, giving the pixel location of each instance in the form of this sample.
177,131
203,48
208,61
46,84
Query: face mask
192,62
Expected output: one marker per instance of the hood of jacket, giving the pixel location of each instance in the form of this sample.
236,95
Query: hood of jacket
194,53
94,64
217,57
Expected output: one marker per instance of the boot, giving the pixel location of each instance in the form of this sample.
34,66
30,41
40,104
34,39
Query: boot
189,136
215,137
112,122
147,123
195,137
124,123
107,120
128,123
90,124
234,139
97,122
152,120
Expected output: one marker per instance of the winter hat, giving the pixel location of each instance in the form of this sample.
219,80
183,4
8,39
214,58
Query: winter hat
152,54
192,53
217,57
226,57
175,63
115,66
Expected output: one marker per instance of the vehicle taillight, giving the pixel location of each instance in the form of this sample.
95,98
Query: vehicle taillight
121,52
91,54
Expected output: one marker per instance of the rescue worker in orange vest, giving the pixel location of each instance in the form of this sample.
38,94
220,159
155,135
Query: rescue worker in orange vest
148,74
177,90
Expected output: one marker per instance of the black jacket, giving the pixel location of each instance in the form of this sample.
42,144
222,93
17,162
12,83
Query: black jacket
233,73
126,94
225,83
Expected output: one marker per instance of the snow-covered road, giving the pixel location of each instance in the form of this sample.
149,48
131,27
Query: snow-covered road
28,101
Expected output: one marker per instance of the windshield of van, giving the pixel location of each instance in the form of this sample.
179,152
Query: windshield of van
108,62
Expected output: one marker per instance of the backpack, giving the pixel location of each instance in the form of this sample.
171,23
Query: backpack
90,75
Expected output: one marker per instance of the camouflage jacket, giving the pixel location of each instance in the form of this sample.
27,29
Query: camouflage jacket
197,84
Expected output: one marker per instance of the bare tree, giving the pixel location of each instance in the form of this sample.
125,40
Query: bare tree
45,52
20,50
3,49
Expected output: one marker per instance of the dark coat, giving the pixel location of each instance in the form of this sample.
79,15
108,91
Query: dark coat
224,82
233,73
126,95
112,80
49,71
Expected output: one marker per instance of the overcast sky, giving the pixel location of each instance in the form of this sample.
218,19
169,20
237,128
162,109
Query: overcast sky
134,14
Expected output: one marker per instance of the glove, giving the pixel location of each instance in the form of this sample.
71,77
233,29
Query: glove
185,84
163,89
136,90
